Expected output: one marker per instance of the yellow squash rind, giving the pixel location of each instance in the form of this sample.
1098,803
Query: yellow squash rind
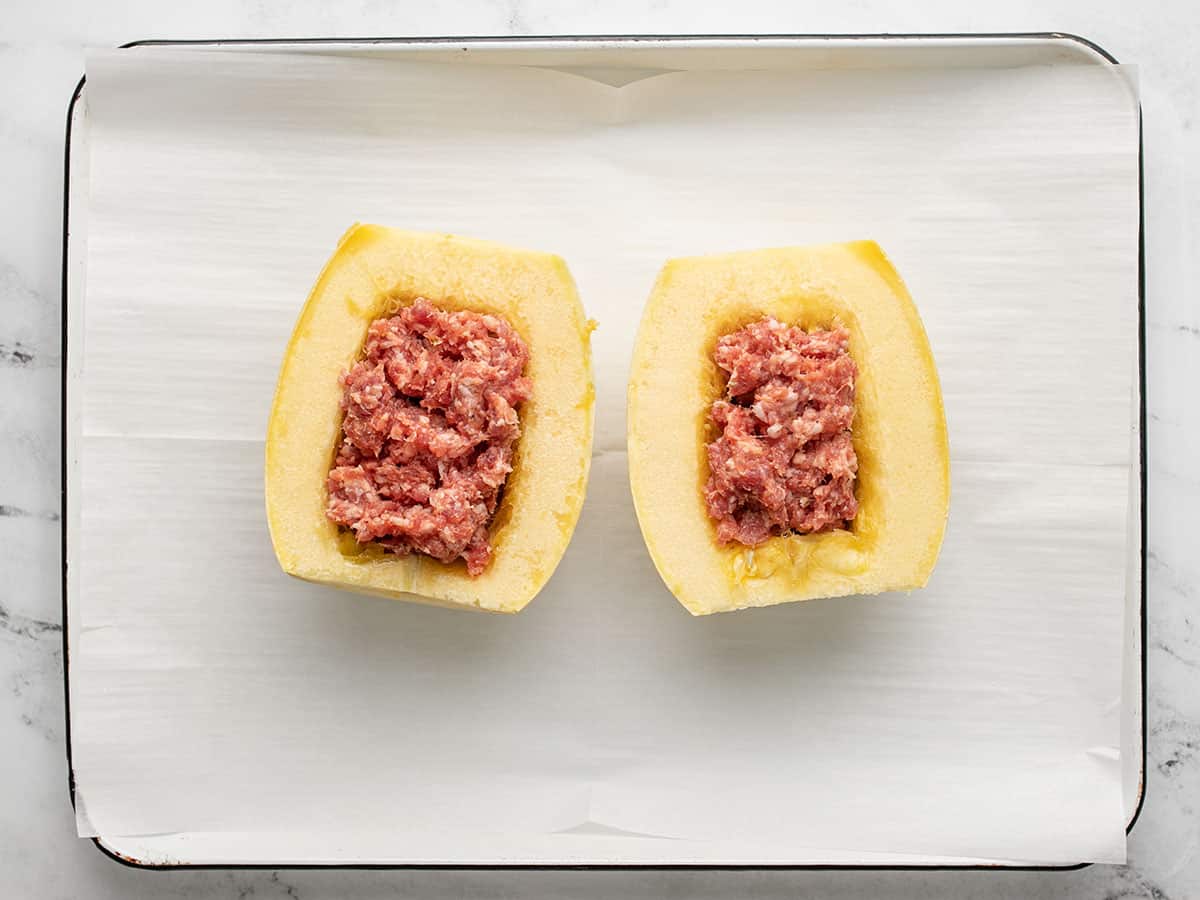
899,429
373,272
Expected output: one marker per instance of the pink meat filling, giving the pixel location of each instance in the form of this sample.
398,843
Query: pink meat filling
783,461
428,433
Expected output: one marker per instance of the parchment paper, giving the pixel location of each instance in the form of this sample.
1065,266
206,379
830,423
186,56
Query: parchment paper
979,717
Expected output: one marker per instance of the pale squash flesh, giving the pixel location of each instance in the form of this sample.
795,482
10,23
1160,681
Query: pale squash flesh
899,431
374,272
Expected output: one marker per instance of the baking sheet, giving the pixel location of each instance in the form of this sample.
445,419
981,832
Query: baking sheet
977,718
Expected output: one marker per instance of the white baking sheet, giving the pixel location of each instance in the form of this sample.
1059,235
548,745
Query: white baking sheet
978,718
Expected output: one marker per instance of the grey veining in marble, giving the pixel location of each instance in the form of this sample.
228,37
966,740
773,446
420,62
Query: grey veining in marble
41,58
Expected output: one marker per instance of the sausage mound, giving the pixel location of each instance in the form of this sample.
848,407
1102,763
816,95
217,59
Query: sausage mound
430,423
783,461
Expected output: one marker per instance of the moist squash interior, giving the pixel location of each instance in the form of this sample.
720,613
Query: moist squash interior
374,272
899,429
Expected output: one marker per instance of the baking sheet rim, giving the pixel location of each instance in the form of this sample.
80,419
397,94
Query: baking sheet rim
1098,56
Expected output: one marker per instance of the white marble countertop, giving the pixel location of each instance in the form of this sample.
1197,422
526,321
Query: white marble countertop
41,58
